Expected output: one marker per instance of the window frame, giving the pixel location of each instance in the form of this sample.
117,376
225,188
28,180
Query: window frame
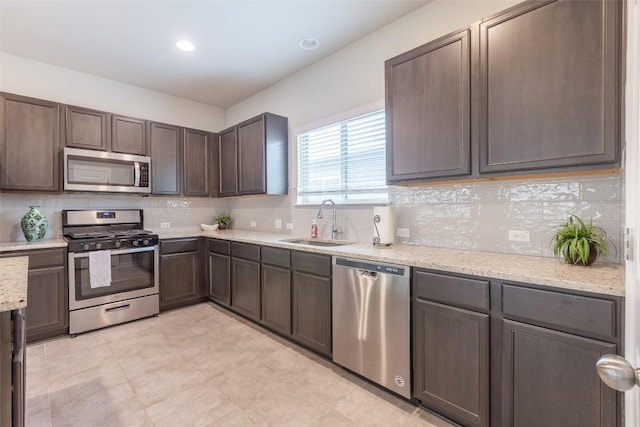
328,121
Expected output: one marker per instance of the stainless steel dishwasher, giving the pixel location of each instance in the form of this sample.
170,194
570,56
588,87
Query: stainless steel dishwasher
371,324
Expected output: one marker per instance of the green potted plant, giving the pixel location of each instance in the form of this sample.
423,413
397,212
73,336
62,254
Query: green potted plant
579,243
223,221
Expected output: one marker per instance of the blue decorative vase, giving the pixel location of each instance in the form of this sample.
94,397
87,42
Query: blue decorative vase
34,225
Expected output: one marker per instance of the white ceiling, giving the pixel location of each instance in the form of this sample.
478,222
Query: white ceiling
241,46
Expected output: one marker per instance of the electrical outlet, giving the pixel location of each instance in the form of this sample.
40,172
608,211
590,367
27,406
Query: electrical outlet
165,224
289,226
519,236
253,224
402,232
278,224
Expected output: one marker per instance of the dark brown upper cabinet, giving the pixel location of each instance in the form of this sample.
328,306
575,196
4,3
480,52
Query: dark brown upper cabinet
535,88
228,160
195,163
428,104
86,128
550,86
98,130
29,143
253,157
165,143
128,135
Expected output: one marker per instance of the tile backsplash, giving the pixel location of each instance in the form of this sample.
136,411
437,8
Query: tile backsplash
476,215
179,212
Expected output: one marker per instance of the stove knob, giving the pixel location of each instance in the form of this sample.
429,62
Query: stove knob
98,245
117,243
136,242
85,247
145,242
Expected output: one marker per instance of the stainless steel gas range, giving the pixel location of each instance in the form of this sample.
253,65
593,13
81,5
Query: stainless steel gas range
113,268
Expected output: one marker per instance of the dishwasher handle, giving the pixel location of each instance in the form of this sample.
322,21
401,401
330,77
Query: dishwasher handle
367,273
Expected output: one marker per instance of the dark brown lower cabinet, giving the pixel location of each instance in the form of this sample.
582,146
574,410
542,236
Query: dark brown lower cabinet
312,311
220,278
6,365
47,312
245,285
276,298
180,282
550,379
451,361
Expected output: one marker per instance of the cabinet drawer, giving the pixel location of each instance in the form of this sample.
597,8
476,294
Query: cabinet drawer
46,258
311,263
40,258
246,251
176,246
275,256
459,291
219,246
573,313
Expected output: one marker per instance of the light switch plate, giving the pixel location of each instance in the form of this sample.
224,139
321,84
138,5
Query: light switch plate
289,226
278,224
253,224
165,225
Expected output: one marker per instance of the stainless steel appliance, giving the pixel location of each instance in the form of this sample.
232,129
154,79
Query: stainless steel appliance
89,170
371,323
132,262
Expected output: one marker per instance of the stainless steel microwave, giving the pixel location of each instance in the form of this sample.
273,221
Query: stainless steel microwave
88,170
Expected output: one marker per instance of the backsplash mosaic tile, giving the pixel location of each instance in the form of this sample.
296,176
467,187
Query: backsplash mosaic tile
475,216
480,215
179,212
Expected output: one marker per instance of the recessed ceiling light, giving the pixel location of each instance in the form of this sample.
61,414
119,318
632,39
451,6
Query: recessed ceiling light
185,45
309,43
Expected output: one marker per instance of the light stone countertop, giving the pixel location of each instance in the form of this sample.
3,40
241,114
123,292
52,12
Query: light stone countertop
600,278
27,246
14,273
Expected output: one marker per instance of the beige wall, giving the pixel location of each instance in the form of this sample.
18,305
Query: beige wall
39,80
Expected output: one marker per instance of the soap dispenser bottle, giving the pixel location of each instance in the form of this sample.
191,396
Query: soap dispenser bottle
314,229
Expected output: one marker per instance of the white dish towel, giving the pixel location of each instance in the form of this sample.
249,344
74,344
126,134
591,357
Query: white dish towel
99,269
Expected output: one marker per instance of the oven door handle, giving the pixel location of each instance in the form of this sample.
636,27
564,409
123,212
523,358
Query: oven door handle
117,251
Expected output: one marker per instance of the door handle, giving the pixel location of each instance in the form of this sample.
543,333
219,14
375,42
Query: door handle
616,372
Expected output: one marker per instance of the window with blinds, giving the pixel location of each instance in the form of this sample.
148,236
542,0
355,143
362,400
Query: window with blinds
344,161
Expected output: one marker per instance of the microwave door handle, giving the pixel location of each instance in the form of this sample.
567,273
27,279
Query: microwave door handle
136,174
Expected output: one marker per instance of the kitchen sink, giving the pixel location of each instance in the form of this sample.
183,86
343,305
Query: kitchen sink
317,242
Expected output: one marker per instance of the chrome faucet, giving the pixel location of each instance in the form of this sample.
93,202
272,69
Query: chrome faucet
334,228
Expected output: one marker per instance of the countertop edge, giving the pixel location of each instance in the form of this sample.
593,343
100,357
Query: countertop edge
14,275
600,278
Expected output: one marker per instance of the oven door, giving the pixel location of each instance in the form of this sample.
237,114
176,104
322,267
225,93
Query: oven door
134,273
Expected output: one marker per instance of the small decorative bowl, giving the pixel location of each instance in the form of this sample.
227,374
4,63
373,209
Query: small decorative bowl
206,227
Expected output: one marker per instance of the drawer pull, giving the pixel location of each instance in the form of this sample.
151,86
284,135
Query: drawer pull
118,308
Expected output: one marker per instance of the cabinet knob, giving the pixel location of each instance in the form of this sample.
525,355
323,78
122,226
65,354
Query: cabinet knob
617,372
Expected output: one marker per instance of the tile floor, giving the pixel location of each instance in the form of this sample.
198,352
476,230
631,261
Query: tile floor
199,366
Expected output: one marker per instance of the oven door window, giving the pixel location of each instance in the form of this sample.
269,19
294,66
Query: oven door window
129,272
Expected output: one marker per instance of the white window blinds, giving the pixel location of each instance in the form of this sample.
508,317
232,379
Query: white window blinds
344,161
